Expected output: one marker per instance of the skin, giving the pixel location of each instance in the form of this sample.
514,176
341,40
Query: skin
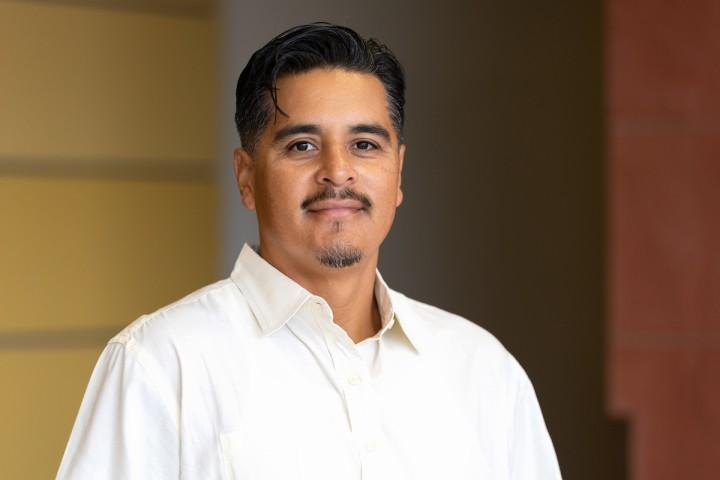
338,135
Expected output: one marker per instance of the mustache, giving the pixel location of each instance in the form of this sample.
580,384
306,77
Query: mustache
343,194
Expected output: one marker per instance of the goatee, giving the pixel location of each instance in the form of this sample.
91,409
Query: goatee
339,256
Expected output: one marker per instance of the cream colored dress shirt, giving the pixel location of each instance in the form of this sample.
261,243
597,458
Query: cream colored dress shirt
249,378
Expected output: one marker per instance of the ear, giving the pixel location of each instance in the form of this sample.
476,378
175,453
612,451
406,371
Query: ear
245,177
401,159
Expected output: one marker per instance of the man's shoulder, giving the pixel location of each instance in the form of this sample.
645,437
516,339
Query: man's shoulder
460,342
206,311
442,326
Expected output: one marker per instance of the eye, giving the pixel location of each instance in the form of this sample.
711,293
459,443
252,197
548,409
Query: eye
302,146
365,145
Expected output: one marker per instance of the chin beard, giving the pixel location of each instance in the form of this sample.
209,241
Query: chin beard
339,256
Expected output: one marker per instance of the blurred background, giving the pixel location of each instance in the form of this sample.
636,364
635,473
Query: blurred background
562,189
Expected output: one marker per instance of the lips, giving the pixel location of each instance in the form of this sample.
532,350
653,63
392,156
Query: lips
336,205
336,208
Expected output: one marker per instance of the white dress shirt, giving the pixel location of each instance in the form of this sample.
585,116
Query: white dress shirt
250,378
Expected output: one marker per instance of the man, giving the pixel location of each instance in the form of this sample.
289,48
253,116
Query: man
304,364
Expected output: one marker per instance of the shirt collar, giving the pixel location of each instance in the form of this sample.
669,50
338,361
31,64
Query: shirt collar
275,298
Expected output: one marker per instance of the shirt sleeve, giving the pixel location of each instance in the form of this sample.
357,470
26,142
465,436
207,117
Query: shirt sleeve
532,456
125,428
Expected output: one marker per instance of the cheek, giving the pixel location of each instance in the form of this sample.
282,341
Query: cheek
384,186
384,192
280,195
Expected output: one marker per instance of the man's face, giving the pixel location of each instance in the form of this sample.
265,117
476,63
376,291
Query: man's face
325,180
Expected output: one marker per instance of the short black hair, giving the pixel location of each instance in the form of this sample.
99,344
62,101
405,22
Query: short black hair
303,48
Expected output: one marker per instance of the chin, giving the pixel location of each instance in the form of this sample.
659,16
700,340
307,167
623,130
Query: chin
339,254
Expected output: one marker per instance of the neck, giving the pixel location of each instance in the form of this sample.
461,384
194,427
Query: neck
349,291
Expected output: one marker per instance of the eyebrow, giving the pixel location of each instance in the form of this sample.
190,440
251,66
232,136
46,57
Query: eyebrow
296,129
313,129
372,129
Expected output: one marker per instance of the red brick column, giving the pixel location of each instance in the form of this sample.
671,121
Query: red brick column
663,90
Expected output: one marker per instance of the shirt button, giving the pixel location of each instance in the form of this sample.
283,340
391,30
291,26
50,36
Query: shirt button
354,379
371,447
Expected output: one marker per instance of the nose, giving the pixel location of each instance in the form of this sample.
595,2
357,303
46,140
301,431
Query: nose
336,168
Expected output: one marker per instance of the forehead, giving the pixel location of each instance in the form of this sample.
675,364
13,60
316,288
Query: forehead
331,97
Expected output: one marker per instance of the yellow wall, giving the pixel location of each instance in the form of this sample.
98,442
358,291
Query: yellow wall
107,208
91,82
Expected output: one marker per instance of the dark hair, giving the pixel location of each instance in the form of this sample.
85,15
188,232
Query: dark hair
303,48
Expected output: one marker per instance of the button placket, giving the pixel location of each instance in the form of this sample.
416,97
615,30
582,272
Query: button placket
367,434
354,394
345,367
358,395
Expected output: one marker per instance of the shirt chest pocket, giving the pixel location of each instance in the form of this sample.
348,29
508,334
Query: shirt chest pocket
260,456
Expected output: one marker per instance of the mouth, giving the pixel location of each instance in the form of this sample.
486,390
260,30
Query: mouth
336,208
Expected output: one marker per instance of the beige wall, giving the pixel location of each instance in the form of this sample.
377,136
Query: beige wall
107,205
